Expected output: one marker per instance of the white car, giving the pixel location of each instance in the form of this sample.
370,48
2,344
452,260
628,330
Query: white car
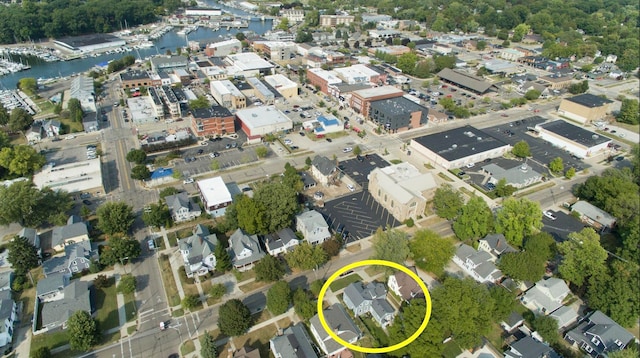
187,181
470,165
288,141
70,137
351,187
152,245
347,150
549,215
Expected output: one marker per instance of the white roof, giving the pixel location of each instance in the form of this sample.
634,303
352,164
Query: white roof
328,76
276,44
72,177
232,42
404,182
264,116
377,91
355,71
214,191
225,87
280,82
247,61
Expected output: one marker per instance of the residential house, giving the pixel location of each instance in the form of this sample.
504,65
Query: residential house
404,285
546,296
32,236
495,245
598,335
371,299
477,264
6,280
246,352
593,215
198,251
75,231
8,316
519,176
215,195
313,227
512,322
51,288
280,242
338,319
307,180
77,258
76,297
244,250
323,169
293,343
528,347
52,128
35,133
565,316
182,208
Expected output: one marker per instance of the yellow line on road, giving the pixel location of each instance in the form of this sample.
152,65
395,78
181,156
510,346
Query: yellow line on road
126,179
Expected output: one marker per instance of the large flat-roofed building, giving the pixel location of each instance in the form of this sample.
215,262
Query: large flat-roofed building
258,121
584,108
227,94
334,20
89,43
143,110
202,11
360,74
276,50
223,48
342,91
457,147
137,79
215,195
402,190
465,80
398,114
82,90
157,101
322,79
261,91
165,62
292,15
248,64
171,100
284,86
361,100
84,176
577,141
211,122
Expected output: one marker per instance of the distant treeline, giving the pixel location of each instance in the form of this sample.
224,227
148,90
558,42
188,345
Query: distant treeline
31,21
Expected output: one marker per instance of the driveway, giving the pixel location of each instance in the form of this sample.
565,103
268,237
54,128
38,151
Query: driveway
562,226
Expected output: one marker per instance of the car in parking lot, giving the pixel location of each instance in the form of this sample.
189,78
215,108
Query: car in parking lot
288,141
470,165
214,155
86,202
70,137
200,151
227,146
462,173
351,187
549,215
188,181
328,140
347,150
294,147
152,246
302,134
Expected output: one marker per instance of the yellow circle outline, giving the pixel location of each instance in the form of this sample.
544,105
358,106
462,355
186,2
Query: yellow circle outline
394,347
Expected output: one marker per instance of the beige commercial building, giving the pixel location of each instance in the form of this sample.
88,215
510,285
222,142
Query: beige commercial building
284,86
84,176
402,190
584,108
334,20
227,95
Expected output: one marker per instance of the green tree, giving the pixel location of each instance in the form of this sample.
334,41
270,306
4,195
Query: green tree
447,202
518,218
578,88
127,284
357,150
556,165
570,173
630,352
431,252
262,152
42,352
614,191
208,349
613,292
428,344
503,189
303,304
522,266
140,172
481,45
189,302
583,256
115,217
332,247
75,110
22,256
19,120
390,245
23,203
82,331
217,291
532,95
521,149
200,103
407,62
279,298
283,25
504,303
234,318
4,115
223,261
101,281
168,191
629,112
119,249
215,165
306,257
291,178
250,214
475,220
137,156
280,203
269,269
21,160
156,215
29,85
547,327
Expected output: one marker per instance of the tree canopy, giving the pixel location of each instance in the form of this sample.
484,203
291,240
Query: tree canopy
306,256
115,217
119,249
234,318
157,215
614,191
447,202
23,256
279,298
19,120
127,284
208,347
137,156
629,112
614,292
521,149
583,256
83,331
475,220
269,269
518,218
390,245
21,160
23,203
431,252
303,304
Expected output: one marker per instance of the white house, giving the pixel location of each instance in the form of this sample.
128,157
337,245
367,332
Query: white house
182,208
244,250
8,315
404,285
280,242
198,251
335,316
477,264
546,296
370,299
215,195
313,227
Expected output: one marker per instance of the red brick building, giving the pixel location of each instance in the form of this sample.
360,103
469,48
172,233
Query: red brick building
211,122
322,78
361,100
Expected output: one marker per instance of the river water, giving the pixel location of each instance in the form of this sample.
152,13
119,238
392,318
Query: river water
170,41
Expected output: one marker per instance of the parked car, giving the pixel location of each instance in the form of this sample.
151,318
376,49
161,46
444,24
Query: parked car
347,150
214,155
549,215
351,187
187,181
470,165
328,140
200,151
152,246
86,202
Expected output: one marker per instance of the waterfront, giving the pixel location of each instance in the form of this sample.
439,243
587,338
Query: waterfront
170,41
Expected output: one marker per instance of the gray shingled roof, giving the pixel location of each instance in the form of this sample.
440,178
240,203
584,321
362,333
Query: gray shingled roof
498,243
607,330
594,213
294,342
31,235
279,239
338,319
6,277
239,241
528,347
71,230
50,284
200,245
324,165
179,201
77,297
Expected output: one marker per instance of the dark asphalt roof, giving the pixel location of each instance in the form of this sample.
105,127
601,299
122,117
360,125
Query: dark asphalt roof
211,112
465,80
459,143
574,133
589,100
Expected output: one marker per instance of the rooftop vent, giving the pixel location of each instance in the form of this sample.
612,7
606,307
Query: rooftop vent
594,137
454,146
479,138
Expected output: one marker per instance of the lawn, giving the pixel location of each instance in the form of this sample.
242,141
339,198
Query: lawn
376,331
257,339
51,340
260,317
354,248
187,347
445,177
243,276
71,126
130,306
253,285
451,350
168,281
495,335
344,282
107,307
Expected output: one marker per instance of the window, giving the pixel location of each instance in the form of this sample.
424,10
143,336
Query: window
618,342
595,341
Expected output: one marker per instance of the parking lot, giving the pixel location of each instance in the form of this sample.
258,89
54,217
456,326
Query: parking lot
358,214
541,151
562,226
226,158
67,154
479,177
